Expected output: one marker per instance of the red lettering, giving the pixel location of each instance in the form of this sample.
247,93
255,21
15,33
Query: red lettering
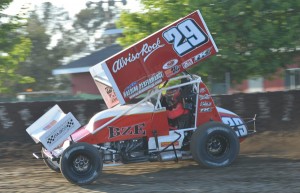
127,131
137,129
114,132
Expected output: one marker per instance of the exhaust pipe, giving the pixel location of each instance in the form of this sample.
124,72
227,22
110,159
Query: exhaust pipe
170,156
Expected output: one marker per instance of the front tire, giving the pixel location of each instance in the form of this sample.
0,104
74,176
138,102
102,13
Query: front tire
49,163
214,144
81,163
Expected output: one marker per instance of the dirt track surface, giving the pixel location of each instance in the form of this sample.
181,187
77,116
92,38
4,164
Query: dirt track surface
268,162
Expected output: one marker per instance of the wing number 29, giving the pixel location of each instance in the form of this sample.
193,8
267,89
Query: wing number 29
185,36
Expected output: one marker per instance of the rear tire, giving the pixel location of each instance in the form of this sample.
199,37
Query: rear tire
214,144
81,163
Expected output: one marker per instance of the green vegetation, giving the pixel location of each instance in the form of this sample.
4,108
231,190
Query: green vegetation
255,38
14,48
28,52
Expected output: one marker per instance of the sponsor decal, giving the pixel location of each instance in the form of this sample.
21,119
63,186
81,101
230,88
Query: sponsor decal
166,143
202,55
202,90
110,92
152,80
170,64
137,88
205,104
131,89
172,71
187,63
137,129
52,138
144,53
204,97
53,122
205,110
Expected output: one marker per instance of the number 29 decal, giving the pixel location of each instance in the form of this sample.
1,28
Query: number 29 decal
186,36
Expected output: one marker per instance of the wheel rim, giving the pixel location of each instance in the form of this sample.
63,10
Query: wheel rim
81,164
217,146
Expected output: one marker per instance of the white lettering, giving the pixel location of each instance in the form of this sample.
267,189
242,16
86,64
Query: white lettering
145,52
151,80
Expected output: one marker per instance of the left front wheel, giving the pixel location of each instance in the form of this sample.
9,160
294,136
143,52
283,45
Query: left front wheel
50,164
81,163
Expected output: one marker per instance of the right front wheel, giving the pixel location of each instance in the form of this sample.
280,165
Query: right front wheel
214,144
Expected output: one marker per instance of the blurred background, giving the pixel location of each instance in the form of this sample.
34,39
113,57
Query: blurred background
47,47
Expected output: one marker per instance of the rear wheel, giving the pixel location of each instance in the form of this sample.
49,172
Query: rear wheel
214,144
81,163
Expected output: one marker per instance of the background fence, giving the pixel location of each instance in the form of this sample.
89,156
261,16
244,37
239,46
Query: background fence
275,111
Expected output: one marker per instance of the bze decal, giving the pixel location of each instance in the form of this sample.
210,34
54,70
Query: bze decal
236,122
137,129
186,36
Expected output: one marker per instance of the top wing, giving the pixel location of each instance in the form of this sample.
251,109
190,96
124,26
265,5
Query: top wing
157,58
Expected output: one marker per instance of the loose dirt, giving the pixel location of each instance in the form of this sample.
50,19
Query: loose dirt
268,162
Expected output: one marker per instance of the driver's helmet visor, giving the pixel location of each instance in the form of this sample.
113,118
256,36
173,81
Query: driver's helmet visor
172,97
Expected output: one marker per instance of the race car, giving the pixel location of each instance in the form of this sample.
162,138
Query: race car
157,111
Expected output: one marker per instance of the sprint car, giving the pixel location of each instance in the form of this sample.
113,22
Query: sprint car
157,111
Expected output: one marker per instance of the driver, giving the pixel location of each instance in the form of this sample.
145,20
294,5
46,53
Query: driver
177,114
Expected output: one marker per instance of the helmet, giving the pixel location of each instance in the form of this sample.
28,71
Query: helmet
173,97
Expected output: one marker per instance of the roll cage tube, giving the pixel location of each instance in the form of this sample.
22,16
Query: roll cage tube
195,80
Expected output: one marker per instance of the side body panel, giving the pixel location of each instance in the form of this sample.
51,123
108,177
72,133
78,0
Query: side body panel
125,128
206,109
